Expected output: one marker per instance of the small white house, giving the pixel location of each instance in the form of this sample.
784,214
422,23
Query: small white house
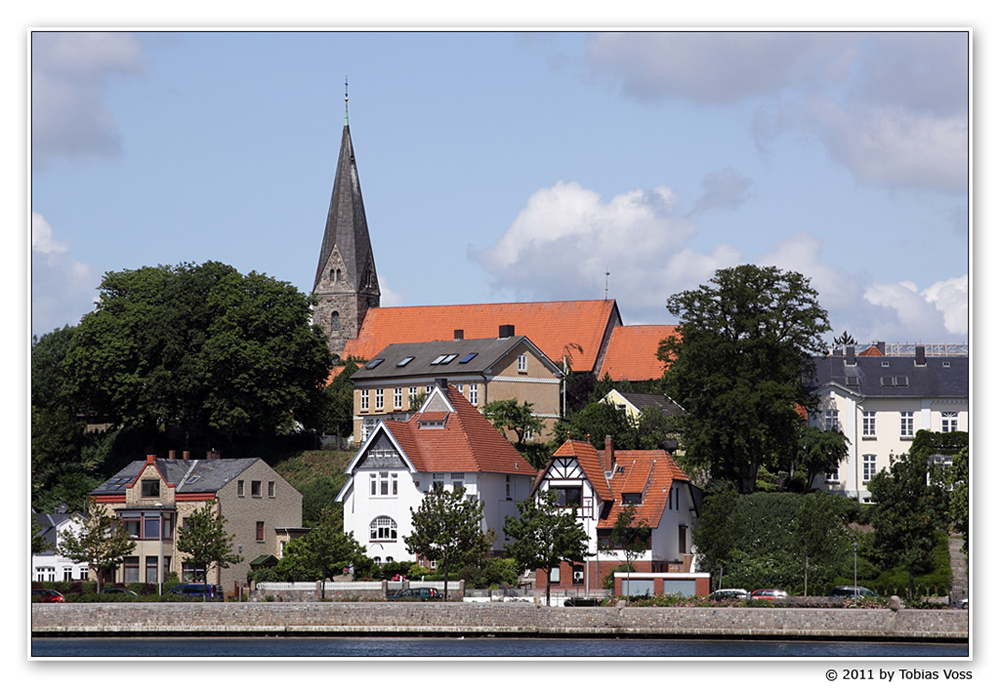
50,566
446,444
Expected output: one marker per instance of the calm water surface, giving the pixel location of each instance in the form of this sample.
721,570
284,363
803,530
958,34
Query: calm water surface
474,647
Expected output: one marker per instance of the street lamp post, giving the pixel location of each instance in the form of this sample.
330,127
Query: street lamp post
239,574
855,568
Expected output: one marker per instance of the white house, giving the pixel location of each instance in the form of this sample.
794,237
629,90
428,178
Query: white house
446,444
49,565
880,402
599,485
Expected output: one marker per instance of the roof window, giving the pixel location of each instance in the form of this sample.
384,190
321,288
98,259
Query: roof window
438,360
444,358
404,361
374,363
469,357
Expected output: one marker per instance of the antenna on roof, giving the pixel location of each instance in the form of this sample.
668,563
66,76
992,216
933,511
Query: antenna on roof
345,101
606,275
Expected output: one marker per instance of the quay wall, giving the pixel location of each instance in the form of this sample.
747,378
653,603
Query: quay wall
492,619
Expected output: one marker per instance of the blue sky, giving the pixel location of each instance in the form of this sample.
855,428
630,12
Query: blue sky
500,166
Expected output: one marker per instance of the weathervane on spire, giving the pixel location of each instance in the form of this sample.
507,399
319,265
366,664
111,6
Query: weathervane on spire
345,101
607,274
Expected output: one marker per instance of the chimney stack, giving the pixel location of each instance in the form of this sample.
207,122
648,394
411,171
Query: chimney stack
850,360
441,382
186,455
506,331
459,334
921,356
172,454
609,449
881,348
150,458
212,454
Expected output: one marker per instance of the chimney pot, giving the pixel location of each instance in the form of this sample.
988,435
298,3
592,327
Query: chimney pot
172,454
186,455
150,458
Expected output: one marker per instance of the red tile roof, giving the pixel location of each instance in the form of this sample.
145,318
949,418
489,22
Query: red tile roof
467,442
871,351
632,352
590,462
652,472
551,325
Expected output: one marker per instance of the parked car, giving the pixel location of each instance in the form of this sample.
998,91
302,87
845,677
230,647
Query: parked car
769,594
964,604
730,594
852,591
417,594
43,595
198,591
121,592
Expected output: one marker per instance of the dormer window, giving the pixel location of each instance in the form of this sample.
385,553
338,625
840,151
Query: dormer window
631,498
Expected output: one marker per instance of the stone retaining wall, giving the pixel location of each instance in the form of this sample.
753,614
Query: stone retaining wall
498,619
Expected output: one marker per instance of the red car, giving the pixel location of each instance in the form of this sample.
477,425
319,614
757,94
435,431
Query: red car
769,594
43,595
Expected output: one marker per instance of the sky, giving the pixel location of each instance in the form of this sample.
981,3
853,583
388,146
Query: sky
515,166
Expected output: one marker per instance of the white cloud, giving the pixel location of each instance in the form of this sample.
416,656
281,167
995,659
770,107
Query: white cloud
69,77
937,313
801,252
726,189
62,289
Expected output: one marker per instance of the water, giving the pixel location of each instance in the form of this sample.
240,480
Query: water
478,647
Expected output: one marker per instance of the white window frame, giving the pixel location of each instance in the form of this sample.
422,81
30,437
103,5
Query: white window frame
949,421
379,399
397,398
869,467
383,529
474,393
522,363
364,400
868,424
831,419
906,424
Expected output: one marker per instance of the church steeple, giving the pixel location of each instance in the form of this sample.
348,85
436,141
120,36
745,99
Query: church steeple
346,284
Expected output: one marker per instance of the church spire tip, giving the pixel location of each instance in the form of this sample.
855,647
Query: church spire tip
345,101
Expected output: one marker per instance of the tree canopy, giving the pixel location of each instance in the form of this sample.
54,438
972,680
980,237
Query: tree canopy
103,542
447,529
745,342
203,538
200,347
545,535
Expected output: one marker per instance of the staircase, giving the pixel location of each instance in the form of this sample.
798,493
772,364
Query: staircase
959,573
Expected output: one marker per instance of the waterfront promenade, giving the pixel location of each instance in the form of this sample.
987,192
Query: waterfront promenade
494,619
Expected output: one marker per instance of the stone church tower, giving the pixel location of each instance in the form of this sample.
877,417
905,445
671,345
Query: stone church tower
346,285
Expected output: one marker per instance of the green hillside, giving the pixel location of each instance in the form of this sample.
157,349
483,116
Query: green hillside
319,476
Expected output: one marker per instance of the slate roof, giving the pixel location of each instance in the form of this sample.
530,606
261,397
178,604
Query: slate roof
50,524
550,325
632,351
660,401
484,352
467,442
895,376
346,225
188,476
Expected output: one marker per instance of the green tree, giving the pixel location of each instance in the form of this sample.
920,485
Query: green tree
819,452
506,414
958,506
746,341
720,528
630,536
910,508
327,549
844,339
447,529
819,535
544,536
204,539
198,347
103,542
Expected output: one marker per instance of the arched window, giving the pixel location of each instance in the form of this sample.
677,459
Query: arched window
383,528
335,321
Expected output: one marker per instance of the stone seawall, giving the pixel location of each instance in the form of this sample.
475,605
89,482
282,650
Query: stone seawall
494,619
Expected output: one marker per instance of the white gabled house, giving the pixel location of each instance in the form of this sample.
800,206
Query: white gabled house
49,566
446,444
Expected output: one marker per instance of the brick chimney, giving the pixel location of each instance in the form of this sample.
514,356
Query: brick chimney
609,449
150,458
212,454
172,454
186,455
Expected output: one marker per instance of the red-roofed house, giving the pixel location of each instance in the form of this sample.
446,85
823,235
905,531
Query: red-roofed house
581,329
599,484
446,444
631,353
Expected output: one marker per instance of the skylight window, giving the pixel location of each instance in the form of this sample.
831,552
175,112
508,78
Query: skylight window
375,363
437,361
449,358
469,357
404,361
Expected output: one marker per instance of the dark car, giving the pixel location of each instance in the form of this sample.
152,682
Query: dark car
43,595
199,591
852,591
417,595
769,594
120,592
730,594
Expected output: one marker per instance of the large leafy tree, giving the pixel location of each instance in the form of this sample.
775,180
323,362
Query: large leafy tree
103,542
819,536
447,528
911,506
745,342
506,414
545,535
204,539
327,550
819,451
199,347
